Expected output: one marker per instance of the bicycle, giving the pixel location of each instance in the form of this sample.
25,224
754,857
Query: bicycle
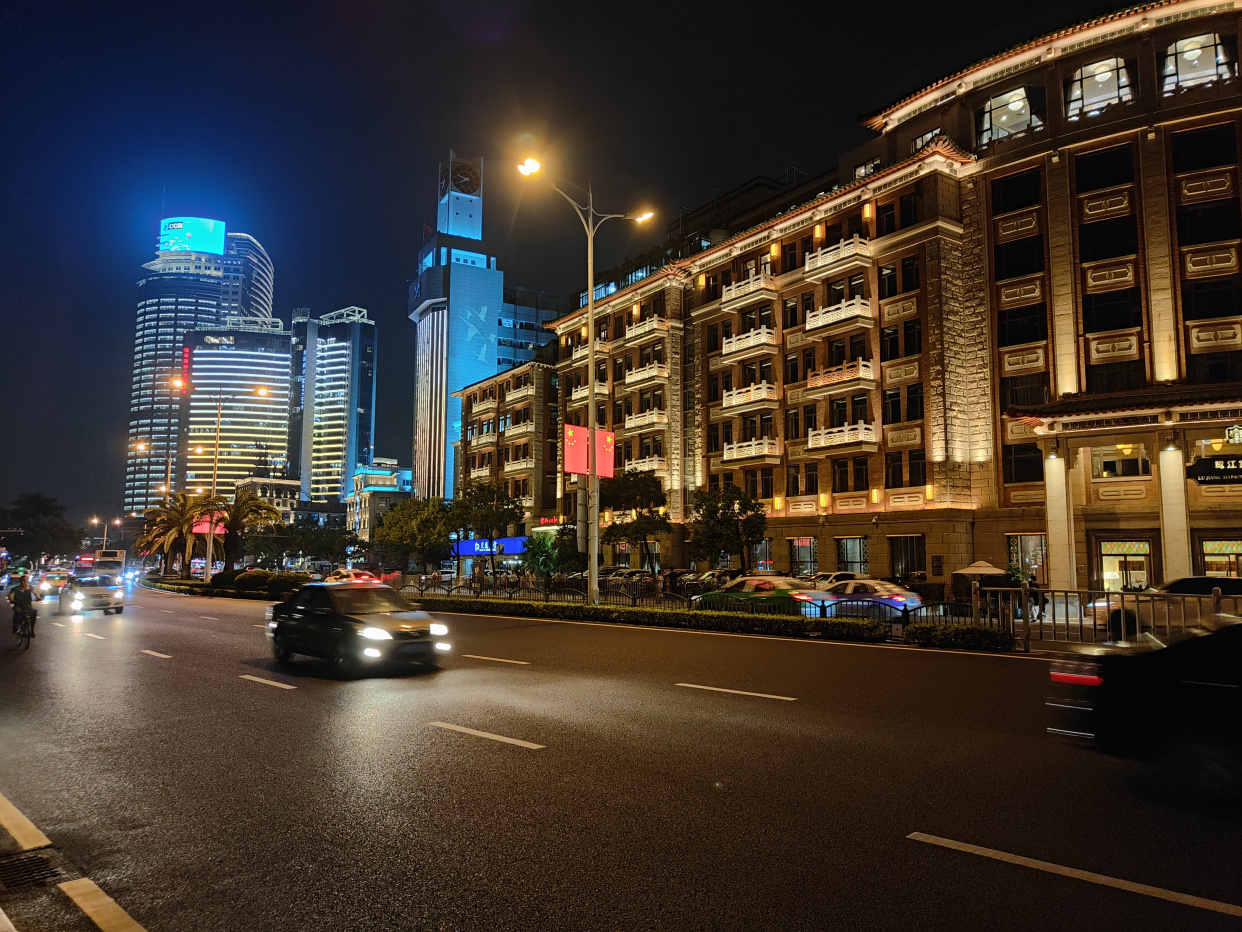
25,622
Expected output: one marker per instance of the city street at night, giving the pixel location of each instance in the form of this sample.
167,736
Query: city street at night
555,775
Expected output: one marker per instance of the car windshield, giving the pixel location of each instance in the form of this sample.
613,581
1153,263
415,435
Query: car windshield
94,582
369,600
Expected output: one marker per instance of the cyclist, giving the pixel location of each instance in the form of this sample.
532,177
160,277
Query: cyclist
22,598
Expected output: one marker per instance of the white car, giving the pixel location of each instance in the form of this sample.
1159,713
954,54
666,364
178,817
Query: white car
91,594
350,575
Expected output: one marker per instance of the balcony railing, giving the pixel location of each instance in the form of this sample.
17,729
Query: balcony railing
853,251
580,393
482,440
653,370
484,406
755,286
481,472
736,397
747,449
514,431
644,327
759,338
652,418
521,393
826,437
584,350
856,371
522,465
527,501
647,464
851,310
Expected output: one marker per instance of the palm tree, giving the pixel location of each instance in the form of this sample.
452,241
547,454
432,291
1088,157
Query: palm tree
246,512
170,528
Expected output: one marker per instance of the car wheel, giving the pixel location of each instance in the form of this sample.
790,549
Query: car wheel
344,659
119,609
280,650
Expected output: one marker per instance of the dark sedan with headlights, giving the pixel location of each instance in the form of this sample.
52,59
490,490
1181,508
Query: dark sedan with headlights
356,625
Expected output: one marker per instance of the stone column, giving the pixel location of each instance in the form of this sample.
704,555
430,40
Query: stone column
1061,273
1162,271
1174,516
1059,512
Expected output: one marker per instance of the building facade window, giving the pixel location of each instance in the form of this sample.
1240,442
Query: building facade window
1016,325
1120,461
1198,60
852,555
1096,86
1010,114
893,471
1029,552
918,468
1022,462
914,402
918,142
803,556
1015,192
908,556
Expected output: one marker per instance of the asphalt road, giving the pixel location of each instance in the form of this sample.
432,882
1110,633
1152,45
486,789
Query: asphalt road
201,800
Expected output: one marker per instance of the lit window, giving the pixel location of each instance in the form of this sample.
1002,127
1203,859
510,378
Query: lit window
920,141
1096,86
1199,60
1010,114
867,168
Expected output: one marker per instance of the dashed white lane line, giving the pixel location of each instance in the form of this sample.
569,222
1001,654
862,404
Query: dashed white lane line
99,907
259,679
1103,880
525,663
737,692
58,624
21,828
97,637
209,617
155,653
167,611
490,736
258,626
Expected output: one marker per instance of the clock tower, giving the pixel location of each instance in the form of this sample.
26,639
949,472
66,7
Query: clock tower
460,210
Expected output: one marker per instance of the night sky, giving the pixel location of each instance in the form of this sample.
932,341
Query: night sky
317,126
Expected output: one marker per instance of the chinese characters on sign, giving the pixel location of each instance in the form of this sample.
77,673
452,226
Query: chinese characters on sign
1216,470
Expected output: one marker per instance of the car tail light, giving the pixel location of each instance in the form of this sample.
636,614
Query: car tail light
802,597
1076,679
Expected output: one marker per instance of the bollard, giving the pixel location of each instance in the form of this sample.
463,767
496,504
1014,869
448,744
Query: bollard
974,602
1216,600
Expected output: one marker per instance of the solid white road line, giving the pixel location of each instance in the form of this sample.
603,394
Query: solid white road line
157,654
1158,892
525,663
99,907
738,692
259,679
167,611
97,637
21,828
488,734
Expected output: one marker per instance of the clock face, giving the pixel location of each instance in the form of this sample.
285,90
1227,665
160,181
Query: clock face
465,178
444,181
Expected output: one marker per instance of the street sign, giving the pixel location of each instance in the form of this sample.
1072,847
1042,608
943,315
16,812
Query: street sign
1216,470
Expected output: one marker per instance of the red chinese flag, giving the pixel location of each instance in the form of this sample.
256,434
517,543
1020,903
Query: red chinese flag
576,450
605,443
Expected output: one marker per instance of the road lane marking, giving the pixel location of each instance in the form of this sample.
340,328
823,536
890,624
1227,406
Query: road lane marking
156,654
5,925
259,679
258,626
58,624
1158,892
525,663
167,611
21,828
738,692
209,617
100,908
97,637
488,734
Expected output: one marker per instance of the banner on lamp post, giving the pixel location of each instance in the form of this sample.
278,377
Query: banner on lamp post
577,455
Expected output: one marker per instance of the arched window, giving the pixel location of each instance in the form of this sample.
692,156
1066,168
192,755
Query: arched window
1096,86
1199,60
1010,114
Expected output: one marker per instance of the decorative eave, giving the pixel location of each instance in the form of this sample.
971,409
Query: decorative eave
1165,406
1037,51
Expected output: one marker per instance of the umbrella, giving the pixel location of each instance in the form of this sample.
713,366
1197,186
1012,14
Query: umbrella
980,568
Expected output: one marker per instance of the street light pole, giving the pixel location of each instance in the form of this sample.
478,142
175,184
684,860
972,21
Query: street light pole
591,221
215,469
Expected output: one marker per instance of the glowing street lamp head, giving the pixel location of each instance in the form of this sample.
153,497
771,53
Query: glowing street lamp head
529,167
643,217
262,391
178,382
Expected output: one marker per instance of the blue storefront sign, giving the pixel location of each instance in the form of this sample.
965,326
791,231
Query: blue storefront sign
479,548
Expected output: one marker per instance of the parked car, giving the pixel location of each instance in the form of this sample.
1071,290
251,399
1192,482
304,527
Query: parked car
827,580
1175,699
779,593
355,624
91,594
863,592
1180,603
347,575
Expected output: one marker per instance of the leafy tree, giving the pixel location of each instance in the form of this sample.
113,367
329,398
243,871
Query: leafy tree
268,549
489,511
332,544
637,501
540,556
422,528
245,512
45,532
170,528
568,556
728,521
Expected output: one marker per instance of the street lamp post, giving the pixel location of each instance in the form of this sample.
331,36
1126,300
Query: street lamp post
591,221
169,459
116,521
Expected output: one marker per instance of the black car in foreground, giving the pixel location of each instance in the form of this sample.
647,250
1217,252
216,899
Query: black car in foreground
357,625
1175,700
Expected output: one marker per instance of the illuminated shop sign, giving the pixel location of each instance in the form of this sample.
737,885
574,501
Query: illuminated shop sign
479,548
192,234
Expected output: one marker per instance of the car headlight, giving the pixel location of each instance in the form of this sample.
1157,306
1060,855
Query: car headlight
439,630
375,634
44,586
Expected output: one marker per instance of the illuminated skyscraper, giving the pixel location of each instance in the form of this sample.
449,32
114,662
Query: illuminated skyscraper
243,368
468,325
200,277
332,408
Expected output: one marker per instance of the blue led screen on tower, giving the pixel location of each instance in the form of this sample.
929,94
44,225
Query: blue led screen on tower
192,234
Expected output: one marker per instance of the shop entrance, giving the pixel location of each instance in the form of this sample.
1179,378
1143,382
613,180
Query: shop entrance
1125,565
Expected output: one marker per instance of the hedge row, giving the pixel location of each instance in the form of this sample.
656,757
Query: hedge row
833,629
234,584
961,637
